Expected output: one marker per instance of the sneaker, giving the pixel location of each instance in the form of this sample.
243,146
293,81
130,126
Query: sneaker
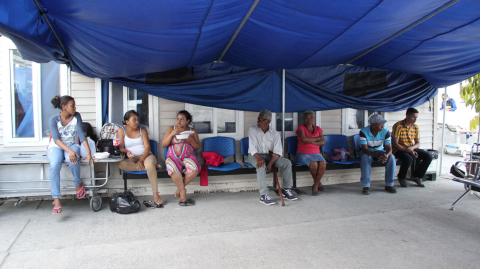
418,180
390,189
403,182
287,194
366,191
265,199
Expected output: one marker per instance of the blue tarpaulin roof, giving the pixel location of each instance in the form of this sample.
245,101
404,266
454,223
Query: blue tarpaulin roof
418,45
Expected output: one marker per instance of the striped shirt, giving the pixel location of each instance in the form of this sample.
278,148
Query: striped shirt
406,136
374,143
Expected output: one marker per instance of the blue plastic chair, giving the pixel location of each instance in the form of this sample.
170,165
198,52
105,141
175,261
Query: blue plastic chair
224,146
292,143
153,149
244,148
335,142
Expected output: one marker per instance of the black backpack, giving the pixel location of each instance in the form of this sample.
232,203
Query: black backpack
124,203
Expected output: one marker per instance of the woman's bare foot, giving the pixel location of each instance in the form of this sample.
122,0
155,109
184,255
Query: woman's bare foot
158,200
158,166
183,195
177,193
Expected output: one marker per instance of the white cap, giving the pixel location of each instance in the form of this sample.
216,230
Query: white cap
376,118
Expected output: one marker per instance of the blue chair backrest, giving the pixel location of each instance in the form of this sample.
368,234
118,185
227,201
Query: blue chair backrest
334,142
292,143
224,146
356,144
153,148
244,146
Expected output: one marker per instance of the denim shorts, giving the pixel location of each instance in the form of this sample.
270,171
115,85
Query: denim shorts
308,158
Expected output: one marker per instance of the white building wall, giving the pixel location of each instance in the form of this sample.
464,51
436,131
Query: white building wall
83,91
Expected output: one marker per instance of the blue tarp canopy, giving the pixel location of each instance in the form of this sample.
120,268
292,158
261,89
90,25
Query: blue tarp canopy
369,54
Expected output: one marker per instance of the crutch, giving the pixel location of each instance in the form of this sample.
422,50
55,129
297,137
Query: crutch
278,184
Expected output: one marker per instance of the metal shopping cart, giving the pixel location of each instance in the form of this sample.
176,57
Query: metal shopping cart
18,180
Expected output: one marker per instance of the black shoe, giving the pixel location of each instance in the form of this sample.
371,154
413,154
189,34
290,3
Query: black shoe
265,199
366,191
418,180
287,194
390,189
403,182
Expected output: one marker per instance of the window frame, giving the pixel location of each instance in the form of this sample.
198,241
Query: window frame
152,109
346,131
7,75
273,123
239,122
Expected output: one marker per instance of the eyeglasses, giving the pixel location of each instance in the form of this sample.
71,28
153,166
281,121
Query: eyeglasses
261,120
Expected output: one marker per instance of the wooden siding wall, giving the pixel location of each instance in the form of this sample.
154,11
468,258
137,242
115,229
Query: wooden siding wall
331,121
83,90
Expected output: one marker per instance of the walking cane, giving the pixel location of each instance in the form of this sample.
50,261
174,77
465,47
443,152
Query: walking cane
278,185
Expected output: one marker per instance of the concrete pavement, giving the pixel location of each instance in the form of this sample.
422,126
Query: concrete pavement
340,228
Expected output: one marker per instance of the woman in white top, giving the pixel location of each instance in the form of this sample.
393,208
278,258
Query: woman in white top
135,144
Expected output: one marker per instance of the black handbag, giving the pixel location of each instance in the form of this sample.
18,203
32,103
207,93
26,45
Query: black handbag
105,145
124,203
457,172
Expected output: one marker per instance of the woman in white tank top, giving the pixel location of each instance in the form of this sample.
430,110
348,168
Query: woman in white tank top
134,142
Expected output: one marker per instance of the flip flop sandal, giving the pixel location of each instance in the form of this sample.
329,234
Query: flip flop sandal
56,209
81,192
188,202
152,205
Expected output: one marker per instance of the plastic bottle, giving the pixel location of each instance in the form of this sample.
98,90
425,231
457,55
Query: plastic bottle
344,157
91,145
116,145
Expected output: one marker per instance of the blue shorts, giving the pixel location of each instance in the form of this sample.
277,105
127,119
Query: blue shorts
308,158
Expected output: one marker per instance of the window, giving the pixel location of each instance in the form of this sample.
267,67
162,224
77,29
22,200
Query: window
122,99
27,106
356,119
138,101
292,120
210,121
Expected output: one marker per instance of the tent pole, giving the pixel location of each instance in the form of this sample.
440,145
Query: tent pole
43,13
283,109
443,129
254,5
403,31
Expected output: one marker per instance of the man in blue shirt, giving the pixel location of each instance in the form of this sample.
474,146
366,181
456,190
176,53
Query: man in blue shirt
372,141
451,105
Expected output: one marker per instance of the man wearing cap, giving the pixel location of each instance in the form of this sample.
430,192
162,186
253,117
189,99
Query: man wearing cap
450,103
375,142
406,143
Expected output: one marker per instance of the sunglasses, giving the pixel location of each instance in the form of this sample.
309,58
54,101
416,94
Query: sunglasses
261,120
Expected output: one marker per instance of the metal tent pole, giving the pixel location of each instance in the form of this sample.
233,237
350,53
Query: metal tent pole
283,109
443,128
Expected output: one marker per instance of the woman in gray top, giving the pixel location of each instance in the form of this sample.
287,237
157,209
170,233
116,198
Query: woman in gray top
66,136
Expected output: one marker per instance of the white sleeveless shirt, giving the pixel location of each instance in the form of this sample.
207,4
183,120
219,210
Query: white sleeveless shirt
134,145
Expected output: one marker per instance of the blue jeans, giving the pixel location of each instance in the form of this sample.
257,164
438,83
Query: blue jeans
366,167
55,157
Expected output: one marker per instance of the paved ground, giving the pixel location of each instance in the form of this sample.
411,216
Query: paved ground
341,228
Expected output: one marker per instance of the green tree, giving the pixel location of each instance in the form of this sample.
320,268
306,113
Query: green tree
470,93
